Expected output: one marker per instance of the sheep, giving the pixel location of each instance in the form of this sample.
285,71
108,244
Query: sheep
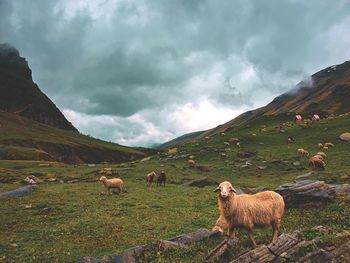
325,148
248,211
328,144
322,154
149,178
290,139
227,143
303,152
238,145
316,162
191,163
161,178
320,146
112,183
319,156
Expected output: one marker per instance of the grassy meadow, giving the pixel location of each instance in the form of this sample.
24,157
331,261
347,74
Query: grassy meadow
71,217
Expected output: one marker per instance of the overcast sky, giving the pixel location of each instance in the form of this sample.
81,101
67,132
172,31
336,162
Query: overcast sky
137,72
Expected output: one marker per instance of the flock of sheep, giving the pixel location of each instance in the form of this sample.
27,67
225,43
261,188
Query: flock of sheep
319,159
247,211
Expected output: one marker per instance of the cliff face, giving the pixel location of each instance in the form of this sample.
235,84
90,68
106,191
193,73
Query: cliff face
20,95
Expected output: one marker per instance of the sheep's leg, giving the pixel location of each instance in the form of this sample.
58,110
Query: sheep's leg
109,190
251,237
275,230
231,233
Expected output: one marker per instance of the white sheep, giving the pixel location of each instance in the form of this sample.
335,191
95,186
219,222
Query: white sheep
112,183
248,211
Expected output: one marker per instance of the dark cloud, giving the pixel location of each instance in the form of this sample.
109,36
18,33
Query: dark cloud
122,58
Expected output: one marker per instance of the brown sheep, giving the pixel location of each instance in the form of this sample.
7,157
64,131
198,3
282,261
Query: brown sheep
303,152
328,144
248,211
191,163
161,178
322,154
316,162
150,177
112,183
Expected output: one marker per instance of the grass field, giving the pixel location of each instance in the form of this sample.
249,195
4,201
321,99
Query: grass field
67,221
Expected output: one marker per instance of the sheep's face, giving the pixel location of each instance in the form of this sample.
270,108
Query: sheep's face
225,189
103,178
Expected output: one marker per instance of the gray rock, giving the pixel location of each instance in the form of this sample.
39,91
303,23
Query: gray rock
19,192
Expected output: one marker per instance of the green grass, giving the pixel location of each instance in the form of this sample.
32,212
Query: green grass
68,221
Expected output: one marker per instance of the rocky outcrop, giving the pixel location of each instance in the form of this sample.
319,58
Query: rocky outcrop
310,193
20,95
19,192
205,181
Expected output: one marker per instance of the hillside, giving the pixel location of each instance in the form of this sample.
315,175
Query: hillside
327,92
178,140
22,138
20,95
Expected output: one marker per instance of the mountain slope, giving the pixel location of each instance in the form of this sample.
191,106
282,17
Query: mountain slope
179,140
328,92
20,95
22,138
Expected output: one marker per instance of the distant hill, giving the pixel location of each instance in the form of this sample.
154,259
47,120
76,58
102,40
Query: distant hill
178,140
20,95
327,92
33,128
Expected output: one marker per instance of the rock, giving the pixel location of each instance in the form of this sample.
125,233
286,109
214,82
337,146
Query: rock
19,192
344,177
261,167
297,163
304,176
44,165
311,193
196,236
27,206
200,182
51,179
164,245
145,159
345,136
246,154
13,245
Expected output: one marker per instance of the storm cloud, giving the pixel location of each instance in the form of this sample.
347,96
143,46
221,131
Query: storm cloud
138,72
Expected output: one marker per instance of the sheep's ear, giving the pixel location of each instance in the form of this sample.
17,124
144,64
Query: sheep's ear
233,190
217,189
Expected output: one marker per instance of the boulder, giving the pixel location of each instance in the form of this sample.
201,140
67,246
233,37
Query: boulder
19,192
310,193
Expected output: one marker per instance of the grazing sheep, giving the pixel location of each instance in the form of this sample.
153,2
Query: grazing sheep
325,148
112,183
161,178
316,162
320,146
322,154
191,163
238,145
150,177
303,152
290,139
248,211
328,144
319,156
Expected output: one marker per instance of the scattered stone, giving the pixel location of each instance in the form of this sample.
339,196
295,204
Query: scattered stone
203,168
205,181
52,179
27,206
296,163
223,155
89,260
261,167
91,165
246,154
19,192
345,136
13,245
344,177
107,171
304,176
